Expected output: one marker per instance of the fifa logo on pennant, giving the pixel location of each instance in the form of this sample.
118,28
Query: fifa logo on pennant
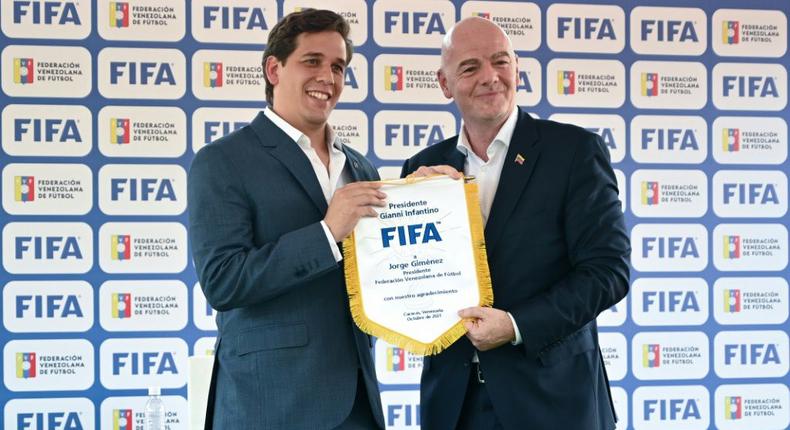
732,407
730,32
121,305
566,82
393,78
24,188
23,70
732,247
396,359
121,247
650,84
731,139
212,75
25,365
119,14
651,355
732,301
119,130
650,193
121,419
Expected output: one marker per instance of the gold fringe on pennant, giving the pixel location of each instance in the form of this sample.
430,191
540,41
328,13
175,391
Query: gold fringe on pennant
479,244
457,330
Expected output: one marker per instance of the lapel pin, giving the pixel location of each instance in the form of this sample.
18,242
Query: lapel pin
520,159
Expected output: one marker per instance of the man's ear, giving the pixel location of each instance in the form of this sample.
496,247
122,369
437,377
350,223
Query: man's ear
272,69
440,76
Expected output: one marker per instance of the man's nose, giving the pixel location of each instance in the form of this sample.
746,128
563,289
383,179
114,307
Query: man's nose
325,75
488,74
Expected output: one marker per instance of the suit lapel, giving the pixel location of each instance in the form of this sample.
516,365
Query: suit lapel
353,165
288,153
453,157
520,161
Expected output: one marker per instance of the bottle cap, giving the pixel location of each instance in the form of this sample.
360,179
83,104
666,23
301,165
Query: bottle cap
154,391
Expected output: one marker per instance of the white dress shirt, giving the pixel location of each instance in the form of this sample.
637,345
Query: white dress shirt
331,180
487,175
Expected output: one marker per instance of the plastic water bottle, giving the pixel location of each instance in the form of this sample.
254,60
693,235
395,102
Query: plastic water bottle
154,410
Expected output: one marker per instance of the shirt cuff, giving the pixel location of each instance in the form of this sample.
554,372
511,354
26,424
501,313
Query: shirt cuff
332,245
517,340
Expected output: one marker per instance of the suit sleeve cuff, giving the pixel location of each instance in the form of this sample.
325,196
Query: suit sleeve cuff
517,340
332,245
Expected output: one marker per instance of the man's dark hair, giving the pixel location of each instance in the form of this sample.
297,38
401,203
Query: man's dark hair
282,37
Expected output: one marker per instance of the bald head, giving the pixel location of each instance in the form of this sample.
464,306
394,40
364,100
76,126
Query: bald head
471,29
479,71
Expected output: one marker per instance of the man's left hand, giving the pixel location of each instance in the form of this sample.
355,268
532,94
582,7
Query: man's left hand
487,328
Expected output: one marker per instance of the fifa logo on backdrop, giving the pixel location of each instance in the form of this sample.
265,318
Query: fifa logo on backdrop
396,359
122,419
236,18
732,301
121,305
24,188
119,14
731,139
649,84
52,12
566,82
651,355
650,194
121,247
23,70
212,75
732,408
119,130
732,247
414,22
731,31
25,365
393,78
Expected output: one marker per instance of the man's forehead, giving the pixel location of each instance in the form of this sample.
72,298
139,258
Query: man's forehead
457,54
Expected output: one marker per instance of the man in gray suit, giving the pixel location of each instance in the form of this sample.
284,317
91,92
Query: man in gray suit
267,205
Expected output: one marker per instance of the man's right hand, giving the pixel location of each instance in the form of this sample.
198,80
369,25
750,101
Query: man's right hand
349,204
441,169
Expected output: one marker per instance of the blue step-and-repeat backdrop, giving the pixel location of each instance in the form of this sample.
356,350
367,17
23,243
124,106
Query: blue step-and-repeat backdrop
105,104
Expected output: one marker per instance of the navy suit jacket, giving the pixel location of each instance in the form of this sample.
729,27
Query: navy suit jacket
558,255
288,353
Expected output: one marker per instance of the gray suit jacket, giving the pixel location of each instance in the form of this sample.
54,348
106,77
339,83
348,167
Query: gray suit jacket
288,353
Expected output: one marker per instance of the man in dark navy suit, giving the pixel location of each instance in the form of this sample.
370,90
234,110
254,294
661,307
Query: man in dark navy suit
267,206
557,251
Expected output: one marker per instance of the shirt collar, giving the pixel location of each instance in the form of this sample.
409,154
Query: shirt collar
504,135
299,137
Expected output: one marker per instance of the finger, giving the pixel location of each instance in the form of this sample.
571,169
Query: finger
473,312
369,185
447,170
470,326
424,171
368,200
356,195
